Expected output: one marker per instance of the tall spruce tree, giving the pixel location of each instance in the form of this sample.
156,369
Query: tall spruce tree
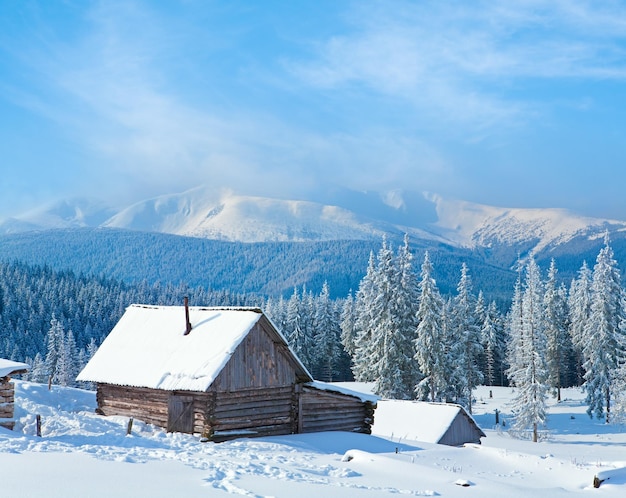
386,350
297,334
559,346
604,348
430,340
466,347
528,370
493,344
362,360
327,342
579,305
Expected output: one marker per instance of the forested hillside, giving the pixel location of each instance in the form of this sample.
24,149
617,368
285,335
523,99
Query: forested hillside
398,329
268,269
33,299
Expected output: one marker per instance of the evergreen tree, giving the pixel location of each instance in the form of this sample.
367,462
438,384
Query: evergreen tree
55,341
528,371
348,328
559,347
327,342
579,305
67,361
297,336
604,348
405,306
493,344
362,360
38,372
430,340
384,349
466,341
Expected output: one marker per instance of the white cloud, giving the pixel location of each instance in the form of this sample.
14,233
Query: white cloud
456,61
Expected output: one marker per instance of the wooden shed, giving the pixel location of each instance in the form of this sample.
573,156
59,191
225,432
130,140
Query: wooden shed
443,423
7,390
218,372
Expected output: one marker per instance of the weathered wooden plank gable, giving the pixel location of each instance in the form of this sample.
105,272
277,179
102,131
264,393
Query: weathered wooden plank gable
259,361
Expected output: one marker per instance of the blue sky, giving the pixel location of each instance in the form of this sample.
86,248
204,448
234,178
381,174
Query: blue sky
519,104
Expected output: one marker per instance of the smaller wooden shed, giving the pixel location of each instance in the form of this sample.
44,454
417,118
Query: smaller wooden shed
442,423
218,372
7,390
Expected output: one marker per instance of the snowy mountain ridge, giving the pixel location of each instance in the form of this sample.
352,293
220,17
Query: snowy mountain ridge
225,215
475,225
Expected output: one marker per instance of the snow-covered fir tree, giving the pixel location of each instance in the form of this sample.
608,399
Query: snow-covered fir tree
466,346
527,355
604,339
300,341
385,324
362,364
492,336
430,341
559,345
385,349
579,305
405,317
327,345
61,363
348,328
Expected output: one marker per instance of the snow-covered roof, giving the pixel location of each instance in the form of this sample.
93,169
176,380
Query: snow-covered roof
335,387
7,367
416,420
148,347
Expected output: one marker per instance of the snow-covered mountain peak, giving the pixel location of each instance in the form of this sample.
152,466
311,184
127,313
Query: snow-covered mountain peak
344,214
228,216
477,225
67,213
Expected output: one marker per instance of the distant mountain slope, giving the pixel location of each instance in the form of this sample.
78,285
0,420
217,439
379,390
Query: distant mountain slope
268,268
479,226
247,219
498,235
68,213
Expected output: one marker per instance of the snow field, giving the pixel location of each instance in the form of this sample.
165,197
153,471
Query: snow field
85,455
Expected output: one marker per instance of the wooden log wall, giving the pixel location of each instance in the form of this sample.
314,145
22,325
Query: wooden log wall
148,405
253,412
7,400
329,411
216,415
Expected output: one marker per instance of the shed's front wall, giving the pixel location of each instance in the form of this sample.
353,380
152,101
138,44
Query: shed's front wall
461,431
329,411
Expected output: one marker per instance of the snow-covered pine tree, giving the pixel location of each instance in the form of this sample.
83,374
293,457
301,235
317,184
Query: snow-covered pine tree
385,352
480,312
38,372
559,346
67,363
579,305
604,348
528,371
348,329
363,324
493,344
405,312
297,337
55,339
430,340
466,347
327,345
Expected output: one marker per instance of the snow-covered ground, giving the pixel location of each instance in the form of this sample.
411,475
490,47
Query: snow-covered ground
81,454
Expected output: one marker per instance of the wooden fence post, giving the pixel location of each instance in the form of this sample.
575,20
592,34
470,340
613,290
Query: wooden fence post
38,417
